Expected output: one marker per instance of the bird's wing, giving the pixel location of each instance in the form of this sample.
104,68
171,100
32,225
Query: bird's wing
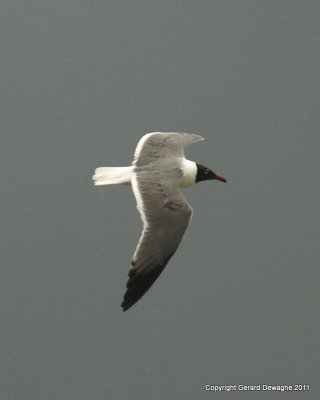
160,145
165,215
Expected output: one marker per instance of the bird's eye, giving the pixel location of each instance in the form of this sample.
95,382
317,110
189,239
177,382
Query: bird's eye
206,172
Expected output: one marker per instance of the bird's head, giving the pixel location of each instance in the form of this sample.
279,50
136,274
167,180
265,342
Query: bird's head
204,174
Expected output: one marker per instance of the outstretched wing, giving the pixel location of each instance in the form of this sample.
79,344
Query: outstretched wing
161,145
165,215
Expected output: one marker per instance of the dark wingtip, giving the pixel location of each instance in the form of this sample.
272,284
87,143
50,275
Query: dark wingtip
126,305
139,283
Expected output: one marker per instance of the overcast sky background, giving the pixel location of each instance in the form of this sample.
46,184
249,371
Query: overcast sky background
82,81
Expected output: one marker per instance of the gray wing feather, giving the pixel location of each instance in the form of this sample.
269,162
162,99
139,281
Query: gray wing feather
166,215
161,145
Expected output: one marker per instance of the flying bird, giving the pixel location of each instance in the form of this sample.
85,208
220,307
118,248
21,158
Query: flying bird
158,171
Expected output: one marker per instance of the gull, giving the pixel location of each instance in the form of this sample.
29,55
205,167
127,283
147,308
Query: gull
158,171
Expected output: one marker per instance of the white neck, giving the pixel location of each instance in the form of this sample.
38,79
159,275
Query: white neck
189,170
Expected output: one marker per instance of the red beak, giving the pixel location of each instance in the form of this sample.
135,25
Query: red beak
220,178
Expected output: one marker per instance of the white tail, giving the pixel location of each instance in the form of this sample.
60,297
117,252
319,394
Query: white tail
112,175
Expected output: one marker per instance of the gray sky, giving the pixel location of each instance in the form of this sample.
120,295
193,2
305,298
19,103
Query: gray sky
82,81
